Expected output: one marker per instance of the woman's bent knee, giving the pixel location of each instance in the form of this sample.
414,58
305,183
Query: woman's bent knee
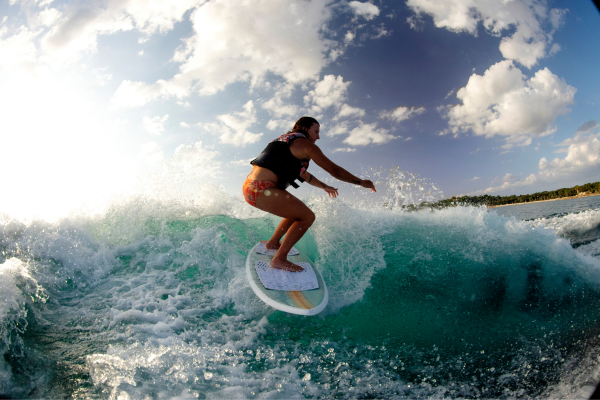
310,217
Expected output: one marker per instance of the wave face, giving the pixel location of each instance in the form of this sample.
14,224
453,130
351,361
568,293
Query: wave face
581,229
150,299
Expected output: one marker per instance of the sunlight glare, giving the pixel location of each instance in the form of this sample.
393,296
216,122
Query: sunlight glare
56,148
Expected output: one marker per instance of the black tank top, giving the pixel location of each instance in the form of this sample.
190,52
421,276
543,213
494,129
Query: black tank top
278,158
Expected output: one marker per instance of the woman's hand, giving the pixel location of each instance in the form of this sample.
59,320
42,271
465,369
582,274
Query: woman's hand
331,191
367,184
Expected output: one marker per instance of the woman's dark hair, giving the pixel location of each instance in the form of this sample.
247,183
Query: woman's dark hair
304,124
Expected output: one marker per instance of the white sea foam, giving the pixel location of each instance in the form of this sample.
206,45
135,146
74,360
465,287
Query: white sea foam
17,289
404,188
591,249
571,225
350,248
160,279
65,252
582,229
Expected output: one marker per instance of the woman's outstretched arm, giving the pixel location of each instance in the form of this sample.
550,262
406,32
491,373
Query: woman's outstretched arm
309,178
314,152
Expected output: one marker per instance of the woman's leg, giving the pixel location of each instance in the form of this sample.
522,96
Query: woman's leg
297,216
281,230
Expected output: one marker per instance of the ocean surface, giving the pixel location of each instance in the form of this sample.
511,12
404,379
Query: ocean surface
148,299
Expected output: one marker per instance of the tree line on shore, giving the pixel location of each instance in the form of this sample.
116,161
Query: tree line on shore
488,200
524,198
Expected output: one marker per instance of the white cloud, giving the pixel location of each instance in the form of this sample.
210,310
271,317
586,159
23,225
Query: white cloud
46,17
184,124
64,36
77,32
281,124
402,113
152,16
554,49
381,32
557,17
338,129
581,161
243,41
509,181
347,111
279,105
135,94
587,127
366,10
242,163
39,3
330,91
522,141
528,43
349,37
475,178
583,155
17,51
155,125
344,150
502,102
233,128
365,134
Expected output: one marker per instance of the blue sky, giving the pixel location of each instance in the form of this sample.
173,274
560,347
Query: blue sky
479,96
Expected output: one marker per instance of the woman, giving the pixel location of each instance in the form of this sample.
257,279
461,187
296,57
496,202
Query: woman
283,161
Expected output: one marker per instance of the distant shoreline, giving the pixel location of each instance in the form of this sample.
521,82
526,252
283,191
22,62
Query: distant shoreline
579,196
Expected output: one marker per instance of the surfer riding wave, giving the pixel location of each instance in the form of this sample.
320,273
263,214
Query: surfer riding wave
280,164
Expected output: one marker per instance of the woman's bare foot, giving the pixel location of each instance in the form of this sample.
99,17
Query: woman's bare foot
285,265
271,246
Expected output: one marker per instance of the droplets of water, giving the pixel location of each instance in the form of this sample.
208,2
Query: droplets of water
402,188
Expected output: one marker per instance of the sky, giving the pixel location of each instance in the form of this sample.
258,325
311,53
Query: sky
477,96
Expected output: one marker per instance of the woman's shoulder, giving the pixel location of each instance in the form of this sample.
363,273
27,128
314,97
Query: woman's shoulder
289,137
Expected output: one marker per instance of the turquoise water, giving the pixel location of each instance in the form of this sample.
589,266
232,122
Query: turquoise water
149,300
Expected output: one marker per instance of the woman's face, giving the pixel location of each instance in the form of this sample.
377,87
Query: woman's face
313,133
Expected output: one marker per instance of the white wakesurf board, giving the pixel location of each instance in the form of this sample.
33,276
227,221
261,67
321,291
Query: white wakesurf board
302,293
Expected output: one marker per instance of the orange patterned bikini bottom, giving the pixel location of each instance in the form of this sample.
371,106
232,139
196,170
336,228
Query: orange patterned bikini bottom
253,188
